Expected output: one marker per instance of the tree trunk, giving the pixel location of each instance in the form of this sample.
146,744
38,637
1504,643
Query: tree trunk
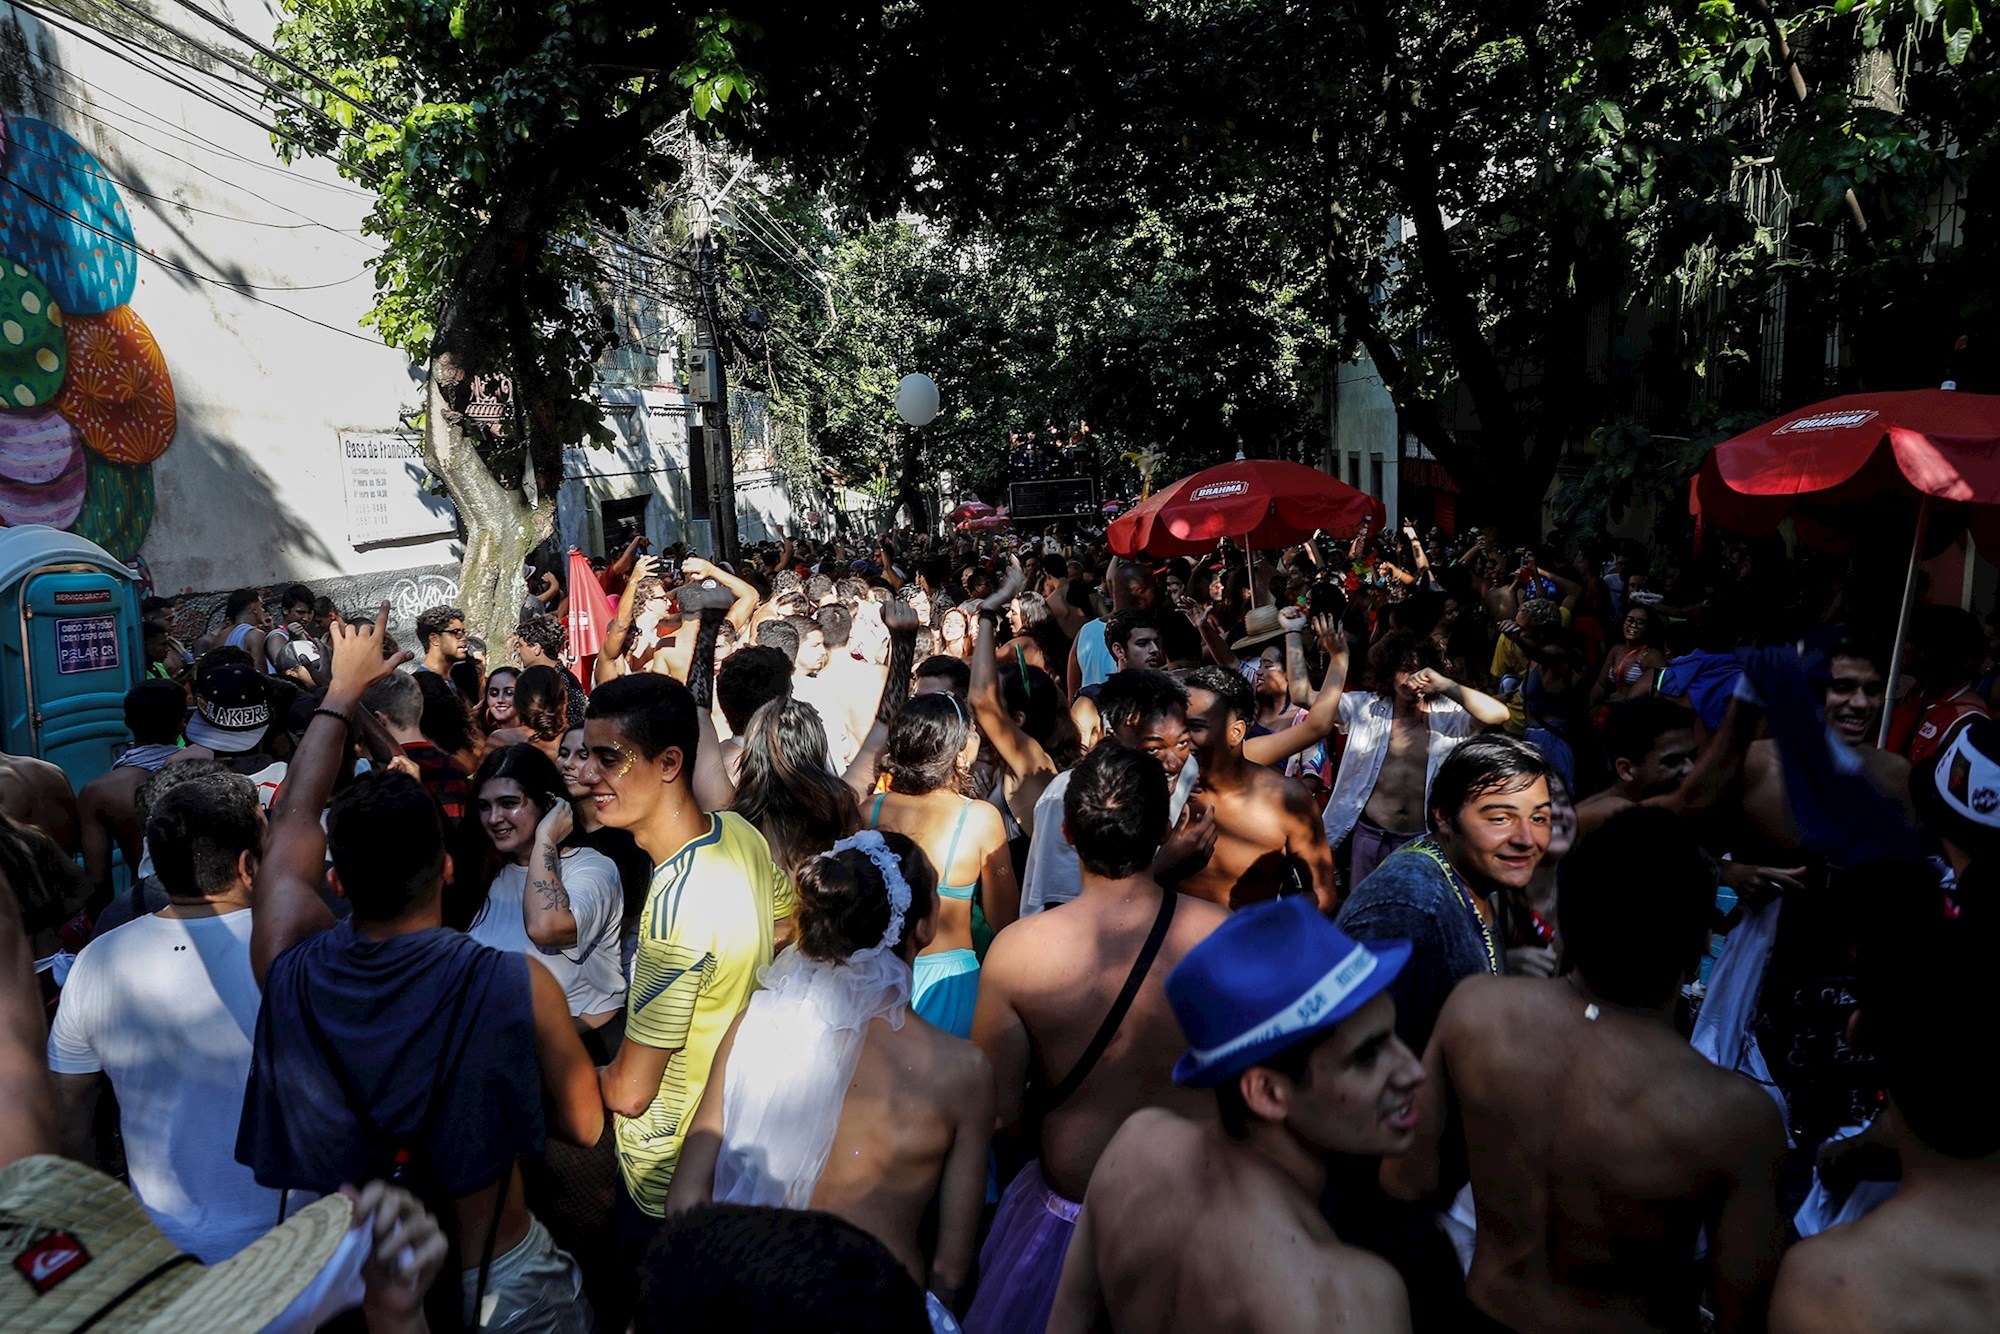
500,526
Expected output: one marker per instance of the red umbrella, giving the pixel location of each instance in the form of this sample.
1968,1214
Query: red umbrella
1924,444
1267,502
589,609
970,509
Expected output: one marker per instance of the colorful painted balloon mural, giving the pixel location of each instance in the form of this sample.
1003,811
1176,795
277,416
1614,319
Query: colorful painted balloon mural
86,402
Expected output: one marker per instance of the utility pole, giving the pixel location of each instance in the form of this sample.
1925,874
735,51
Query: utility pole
715,414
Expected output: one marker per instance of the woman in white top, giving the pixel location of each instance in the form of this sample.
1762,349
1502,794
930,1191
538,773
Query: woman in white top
556,903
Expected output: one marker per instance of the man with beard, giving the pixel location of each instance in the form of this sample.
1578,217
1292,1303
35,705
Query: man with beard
1214,1224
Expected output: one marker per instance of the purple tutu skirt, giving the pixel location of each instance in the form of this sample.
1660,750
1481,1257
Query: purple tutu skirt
1021,1262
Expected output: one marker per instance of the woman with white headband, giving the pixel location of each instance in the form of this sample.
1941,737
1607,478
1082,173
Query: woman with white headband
826,1095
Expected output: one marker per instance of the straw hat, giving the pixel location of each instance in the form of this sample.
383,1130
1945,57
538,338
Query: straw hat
79,1249
1259,627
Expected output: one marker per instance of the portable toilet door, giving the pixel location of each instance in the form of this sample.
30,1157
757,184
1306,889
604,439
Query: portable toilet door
70,649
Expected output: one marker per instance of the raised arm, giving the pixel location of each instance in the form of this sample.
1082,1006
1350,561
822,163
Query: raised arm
545,908
285,906
618,635
1021,753
1717,767
889,575
1320,719
745,597
1300,680
1485,710
901,623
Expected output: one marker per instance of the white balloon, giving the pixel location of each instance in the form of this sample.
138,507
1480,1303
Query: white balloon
917,399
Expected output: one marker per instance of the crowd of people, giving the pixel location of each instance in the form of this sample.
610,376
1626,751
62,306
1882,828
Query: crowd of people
998,934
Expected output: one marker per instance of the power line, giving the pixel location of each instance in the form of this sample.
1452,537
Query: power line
286,61
83,34
244,290
17,146
192,140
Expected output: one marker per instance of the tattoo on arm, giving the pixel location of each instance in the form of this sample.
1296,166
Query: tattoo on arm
549,884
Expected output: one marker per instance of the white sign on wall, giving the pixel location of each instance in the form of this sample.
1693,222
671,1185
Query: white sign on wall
383,474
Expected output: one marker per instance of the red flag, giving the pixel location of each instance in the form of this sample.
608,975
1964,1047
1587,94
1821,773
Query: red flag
589,609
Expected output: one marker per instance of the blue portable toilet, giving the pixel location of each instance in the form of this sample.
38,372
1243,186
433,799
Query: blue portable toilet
70,648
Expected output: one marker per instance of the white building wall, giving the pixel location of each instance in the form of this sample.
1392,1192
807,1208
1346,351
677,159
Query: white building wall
1366,442
252,277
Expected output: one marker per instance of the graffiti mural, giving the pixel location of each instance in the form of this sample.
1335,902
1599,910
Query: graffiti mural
409,593
86,402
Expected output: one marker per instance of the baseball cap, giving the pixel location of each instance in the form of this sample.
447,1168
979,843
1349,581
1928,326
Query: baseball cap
1957,796
232,708
1269,977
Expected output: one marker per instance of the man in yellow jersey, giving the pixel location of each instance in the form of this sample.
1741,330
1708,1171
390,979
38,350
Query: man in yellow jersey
705,930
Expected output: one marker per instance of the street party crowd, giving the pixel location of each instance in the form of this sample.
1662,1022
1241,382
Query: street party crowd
991,932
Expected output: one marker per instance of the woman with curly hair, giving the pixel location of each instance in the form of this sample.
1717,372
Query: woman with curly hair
926,773
785,788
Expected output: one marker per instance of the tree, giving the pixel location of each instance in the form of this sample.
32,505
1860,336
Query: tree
499,142
1535,217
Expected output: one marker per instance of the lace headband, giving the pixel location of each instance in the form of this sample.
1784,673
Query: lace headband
870,844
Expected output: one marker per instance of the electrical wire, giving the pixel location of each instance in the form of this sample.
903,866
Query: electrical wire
16,146
82,34
244,290
181,135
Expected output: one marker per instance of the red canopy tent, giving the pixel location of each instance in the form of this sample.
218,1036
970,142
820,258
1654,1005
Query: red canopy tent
1930,445
1265,502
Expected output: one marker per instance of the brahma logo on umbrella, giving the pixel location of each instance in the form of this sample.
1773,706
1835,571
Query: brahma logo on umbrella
1829,421
1217,490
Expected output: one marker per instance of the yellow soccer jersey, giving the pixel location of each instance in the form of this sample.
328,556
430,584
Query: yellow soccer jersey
704,933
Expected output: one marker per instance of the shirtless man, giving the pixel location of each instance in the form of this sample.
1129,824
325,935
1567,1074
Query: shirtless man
36,793
847,688
1268,838
1046,993
1212,1222
1929,1258
1598,1143
917,1117
1395,742
1855,688
650,633
107,808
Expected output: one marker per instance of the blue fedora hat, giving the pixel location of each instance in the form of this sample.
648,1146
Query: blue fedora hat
1271,976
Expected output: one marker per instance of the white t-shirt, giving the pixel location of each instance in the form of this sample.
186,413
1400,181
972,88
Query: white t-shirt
591,971
1053,874
166,1007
